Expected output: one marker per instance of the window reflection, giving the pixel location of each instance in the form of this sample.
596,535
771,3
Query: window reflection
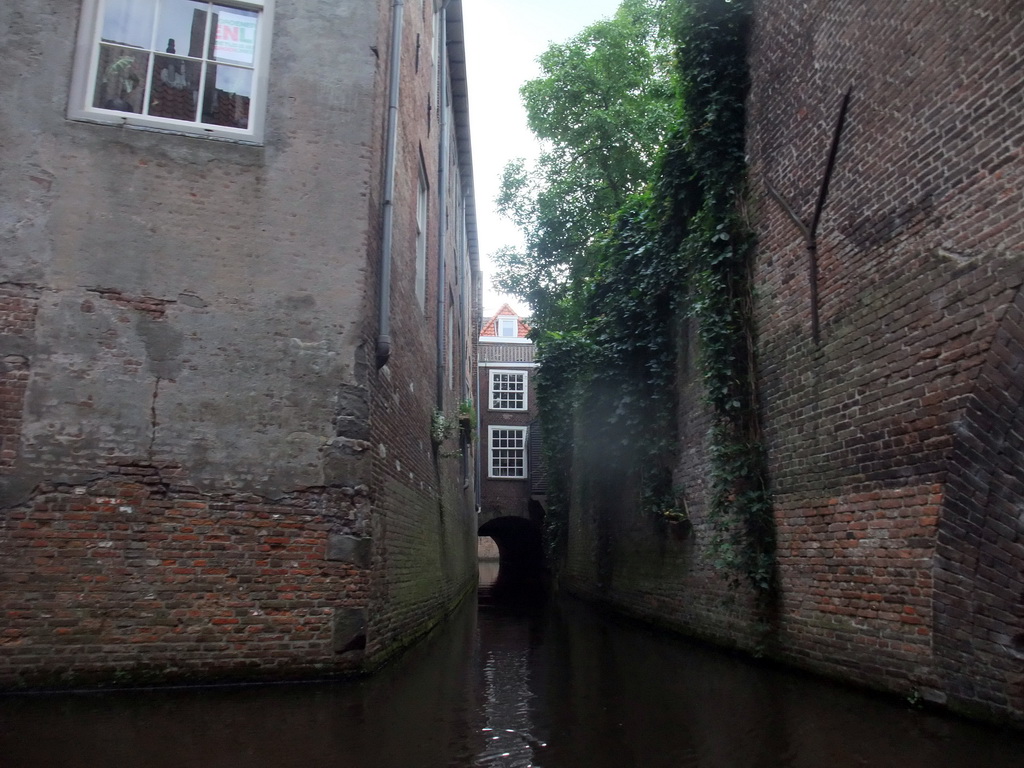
120,78
129,22
182,27
234,35
228,95
184,60
175,84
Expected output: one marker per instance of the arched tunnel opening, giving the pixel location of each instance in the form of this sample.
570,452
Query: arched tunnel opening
521,572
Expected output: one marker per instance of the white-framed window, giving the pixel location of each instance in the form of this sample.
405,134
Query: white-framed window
507,452
187,66
508,391
507,327
422,209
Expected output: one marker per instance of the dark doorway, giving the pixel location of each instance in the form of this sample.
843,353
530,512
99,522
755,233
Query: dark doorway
521,574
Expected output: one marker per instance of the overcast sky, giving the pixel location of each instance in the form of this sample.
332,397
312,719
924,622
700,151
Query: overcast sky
503,40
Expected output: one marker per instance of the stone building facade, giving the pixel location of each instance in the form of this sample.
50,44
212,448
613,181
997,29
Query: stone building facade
238,275
894,438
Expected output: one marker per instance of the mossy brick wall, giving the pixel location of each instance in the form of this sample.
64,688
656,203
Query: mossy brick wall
424,532
187,407
894,442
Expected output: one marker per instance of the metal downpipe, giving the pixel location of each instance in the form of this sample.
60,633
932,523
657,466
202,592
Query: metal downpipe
383,350
442,183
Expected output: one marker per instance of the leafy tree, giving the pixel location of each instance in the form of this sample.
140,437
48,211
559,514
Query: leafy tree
633,220
602,107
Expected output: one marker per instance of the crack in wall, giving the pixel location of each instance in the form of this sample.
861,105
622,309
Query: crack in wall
153,424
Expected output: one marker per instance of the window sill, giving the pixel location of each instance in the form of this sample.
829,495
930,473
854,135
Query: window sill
136,123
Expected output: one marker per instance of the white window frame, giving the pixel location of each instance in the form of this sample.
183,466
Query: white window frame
83,80
495,454
492,390
509,322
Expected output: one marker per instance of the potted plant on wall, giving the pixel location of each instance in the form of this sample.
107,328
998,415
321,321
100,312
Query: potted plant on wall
467,418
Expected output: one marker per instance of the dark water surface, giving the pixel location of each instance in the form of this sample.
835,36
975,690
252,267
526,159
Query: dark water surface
509,683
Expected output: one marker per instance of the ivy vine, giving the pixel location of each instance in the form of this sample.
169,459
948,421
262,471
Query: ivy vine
681,248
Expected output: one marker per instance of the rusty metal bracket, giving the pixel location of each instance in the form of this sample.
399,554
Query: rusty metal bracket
810,231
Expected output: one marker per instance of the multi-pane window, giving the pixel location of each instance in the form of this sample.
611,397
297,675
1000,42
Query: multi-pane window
507,327
507,451
508,391
192,66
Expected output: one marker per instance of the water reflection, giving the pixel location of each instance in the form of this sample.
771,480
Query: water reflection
519,682
510,607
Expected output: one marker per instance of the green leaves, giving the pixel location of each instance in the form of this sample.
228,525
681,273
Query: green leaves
602,105
631,223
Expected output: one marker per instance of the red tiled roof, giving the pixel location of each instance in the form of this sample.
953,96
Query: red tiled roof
491,326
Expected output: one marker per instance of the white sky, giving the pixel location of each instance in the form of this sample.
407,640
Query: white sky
503,40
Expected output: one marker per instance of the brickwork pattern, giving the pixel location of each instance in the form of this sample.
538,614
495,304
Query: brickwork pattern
17,324
202,421
423,528
979,565
138,577
894,443
919,262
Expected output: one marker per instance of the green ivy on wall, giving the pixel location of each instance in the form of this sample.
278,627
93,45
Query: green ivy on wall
681,248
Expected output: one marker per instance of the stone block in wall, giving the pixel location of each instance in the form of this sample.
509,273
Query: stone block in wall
349,629
347,462
353,416
349,549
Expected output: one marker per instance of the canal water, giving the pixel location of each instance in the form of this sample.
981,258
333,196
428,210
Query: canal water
518,680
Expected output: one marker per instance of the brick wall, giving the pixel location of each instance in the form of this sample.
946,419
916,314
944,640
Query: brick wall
893,443
138,577
17,324
203,475
423,530
501,497
979,562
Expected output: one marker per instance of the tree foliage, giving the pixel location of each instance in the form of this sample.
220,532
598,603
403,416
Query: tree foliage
601,107
633,221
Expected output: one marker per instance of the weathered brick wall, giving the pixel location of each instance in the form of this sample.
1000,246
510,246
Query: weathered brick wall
189,406
137,577
423,530
17,325
920,253
979,552
893,443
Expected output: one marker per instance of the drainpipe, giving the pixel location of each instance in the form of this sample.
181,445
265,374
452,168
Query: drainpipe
383,352
478,458
442,185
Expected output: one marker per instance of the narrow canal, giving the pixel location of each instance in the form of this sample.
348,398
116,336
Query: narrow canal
514,681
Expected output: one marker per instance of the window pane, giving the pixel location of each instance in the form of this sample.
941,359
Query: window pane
508,391
128,22
508,452
182,27
175,82
234,35
228,94
120,76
